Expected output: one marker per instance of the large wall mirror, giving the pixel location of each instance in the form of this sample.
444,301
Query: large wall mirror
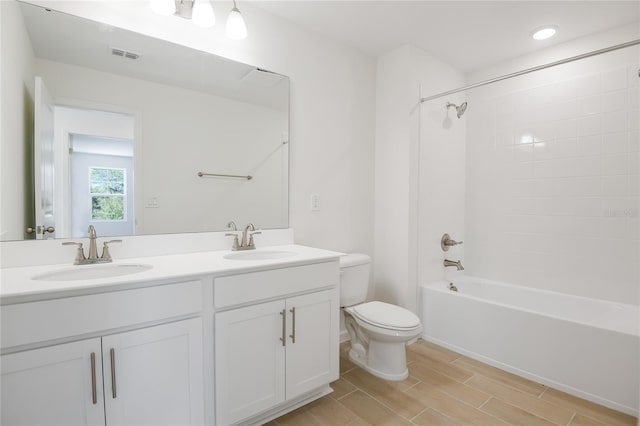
106,127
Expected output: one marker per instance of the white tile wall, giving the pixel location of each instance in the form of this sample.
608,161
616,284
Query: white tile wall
552,187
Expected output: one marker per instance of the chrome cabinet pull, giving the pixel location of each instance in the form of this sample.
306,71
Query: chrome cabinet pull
293,324
94,392
112,352
283,339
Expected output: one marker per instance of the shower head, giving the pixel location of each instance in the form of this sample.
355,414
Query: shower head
460,109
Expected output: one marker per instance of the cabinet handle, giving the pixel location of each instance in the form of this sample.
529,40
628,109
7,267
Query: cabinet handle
283,339
94,392
293,325
112,352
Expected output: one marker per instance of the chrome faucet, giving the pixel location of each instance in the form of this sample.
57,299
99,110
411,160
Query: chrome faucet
81,259
457,264
247,236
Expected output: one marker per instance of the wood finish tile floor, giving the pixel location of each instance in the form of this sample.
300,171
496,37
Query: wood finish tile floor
446,388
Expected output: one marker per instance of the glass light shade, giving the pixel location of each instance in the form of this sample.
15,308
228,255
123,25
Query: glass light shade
163,7
236,29
202,14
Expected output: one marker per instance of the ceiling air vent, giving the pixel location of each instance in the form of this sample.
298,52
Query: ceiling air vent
124,53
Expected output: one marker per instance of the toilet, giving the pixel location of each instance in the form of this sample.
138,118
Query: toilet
378,331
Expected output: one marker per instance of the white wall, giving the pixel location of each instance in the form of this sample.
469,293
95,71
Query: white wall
553,184
17,86
332,111
442,171
393,199
419,173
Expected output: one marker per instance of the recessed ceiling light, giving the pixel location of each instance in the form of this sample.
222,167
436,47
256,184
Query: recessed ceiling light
544,32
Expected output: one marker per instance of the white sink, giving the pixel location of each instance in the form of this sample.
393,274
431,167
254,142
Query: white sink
92,272
259,255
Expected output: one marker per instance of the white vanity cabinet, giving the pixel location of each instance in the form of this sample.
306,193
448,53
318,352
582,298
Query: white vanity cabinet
153,376
274,352
53,385
198,339
150,375
139,377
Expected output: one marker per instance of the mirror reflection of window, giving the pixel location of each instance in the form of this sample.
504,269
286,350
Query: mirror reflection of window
107,189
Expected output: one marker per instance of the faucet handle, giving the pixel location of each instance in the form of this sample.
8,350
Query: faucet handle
236,243
106,255
251,244
112,241
79,253
446,242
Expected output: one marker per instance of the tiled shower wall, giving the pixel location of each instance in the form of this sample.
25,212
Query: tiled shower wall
552,179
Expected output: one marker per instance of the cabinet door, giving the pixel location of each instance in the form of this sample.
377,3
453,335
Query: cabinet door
53,385
312,360
153,376
249,357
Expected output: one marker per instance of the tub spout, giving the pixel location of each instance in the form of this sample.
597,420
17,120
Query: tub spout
457,264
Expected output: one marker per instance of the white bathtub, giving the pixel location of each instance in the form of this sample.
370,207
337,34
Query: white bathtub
585,347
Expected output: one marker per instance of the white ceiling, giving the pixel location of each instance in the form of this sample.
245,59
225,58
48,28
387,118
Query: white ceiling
72,40
468,35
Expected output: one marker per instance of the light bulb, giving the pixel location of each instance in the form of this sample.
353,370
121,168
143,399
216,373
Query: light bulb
236,29
202,14
163,7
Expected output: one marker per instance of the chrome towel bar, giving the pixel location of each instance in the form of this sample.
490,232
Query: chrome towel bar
248,177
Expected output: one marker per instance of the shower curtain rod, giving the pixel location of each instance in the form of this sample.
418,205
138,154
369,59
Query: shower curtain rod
530,70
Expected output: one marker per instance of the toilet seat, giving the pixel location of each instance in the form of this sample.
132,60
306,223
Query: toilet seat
386,315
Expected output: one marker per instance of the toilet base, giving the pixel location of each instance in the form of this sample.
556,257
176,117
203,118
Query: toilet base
386,360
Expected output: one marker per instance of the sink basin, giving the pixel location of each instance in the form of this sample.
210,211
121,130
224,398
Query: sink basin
259,255
91,272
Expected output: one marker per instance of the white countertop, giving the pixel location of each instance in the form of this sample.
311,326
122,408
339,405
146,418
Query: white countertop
17,284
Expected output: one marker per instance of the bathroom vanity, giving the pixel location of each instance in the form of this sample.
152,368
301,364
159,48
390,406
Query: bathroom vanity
203,338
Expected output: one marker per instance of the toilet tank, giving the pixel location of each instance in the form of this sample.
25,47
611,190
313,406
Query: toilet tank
354,278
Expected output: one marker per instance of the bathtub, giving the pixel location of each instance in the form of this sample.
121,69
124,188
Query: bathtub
586,347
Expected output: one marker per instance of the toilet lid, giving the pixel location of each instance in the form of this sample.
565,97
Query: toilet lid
386,315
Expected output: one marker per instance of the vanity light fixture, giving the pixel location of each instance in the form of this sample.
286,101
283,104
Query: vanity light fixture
202,15
236,29
545,32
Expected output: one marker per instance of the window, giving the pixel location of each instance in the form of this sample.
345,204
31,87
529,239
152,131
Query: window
108,194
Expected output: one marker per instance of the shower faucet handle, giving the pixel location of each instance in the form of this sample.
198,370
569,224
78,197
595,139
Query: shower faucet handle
446,242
